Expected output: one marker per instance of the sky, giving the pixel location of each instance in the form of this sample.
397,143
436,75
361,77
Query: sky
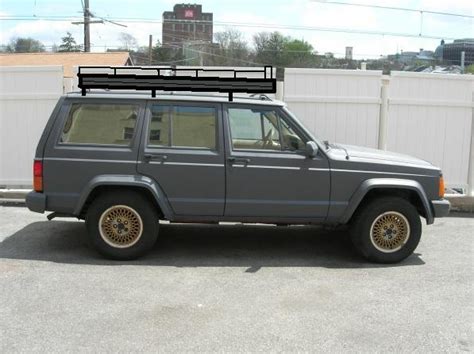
270,13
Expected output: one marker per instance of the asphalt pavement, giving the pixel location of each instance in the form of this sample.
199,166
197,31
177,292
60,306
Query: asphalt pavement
232,288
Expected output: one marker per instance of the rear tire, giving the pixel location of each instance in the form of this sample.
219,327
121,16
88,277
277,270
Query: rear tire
122,225
386,230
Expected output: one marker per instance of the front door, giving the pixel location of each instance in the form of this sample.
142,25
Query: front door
183,151
268,174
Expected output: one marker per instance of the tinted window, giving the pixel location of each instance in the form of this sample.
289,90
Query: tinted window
183,126
107,124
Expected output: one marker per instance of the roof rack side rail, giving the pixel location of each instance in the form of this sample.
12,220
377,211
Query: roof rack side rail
176,79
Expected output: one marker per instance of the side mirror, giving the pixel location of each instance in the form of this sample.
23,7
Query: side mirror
311,149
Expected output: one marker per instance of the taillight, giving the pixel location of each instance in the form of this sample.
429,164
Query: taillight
441,187
38,176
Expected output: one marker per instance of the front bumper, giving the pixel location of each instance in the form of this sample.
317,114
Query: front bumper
441,207
36,202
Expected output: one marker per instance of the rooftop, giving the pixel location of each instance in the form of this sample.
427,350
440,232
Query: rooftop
69,60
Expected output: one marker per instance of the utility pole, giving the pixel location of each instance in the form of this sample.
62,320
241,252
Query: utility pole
87,21
463,56
87,32
150,48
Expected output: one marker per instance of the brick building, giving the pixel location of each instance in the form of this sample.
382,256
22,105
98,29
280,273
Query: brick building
186,23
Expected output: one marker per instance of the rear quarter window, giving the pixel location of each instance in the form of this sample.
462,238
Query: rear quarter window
100,124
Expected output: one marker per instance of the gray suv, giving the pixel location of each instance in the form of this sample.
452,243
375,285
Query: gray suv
124,161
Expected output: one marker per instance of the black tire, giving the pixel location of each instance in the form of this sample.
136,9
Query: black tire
132,243
381,212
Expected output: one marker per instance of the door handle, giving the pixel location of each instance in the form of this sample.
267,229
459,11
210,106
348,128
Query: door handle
154,157
241,160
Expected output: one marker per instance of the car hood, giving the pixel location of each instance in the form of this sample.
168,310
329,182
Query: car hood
381,156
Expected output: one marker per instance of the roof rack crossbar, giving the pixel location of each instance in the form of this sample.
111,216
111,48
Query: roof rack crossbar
143,78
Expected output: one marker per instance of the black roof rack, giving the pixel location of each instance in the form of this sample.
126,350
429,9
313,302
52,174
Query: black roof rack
175,79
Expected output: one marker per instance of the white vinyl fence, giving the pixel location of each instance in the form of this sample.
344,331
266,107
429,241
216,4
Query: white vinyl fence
425,115
421,114
27,98
337,105
430,116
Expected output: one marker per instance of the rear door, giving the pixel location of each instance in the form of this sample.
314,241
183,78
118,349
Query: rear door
268,174
91,137
182,150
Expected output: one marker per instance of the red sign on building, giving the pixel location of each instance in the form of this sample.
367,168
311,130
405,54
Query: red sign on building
188,13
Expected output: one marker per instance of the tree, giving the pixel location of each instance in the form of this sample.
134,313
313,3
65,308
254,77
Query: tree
25,45
166,55
231,48
128,41
269,48
280,51
69,44
298,53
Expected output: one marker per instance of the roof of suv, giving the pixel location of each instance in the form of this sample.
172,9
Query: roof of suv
145,95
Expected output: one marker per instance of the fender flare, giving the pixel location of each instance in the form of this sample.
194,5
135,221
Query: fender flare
125,180
395,183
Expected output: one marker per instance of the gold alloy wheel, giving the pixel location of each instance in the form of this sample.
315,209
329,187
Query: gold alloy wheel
389,232
120,226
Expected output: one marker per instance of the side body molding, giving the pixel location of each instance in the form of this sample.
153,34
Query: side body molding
375,183
124,181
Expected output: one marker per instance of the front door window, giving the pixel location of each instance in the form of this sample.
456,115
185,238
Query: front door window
262,129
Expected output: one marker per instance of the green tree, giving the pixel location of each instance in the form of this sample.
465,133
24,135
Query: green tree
298,53
280,51
25,45
69,44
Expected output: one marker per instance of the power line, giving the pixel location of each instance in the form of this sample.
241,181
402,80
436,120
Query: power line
247,24
331,2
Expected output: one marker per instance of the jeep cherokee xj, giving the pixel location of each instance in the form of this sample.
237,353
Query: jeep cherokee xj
125,161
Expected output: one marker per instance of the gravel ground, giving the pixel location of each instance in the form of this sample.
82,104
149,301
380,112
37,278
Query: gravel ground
232,288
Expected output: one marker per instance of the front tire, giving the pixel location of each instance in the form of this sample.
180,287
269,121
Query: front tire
122,225
386,230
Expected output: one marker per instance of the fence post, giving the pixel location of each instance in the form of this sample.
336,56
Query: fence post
470,173
279,90
382,141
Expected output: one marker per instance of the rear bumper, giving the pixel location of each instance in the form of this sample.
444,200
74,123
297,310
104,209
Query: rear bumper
36,202
441,207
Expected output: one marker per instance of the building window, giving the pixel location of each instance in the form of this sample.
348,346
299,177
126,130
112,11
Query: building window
155,134
128,133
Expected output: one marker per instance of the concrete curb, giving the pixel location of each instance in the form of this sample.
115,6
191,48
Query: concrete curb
13,193
461,203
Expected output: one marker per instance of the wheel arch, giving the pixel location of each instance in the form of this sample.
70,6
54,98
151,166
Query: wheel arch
106,183
378,187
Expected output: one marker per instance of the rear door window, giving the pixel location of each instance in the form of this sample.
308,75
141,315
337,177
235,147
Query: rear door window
183,126
100,124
